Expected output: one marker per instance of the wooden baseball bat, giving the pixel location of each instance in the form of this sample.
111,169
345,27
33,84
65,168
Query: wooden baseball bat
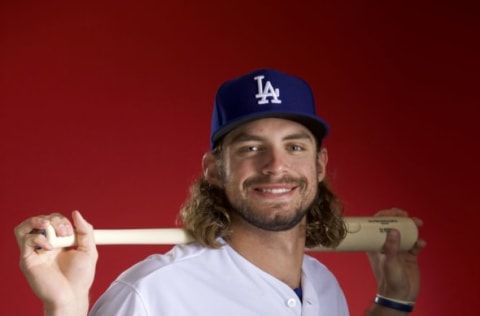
363,234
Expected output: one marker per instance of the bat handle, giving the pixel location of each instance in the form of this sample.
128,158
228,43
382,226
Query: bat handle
59,242
144,236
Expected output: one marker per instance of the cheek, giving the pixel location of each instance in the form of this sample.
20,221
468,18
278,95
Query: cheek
234,177
313,181
237,168
313,176
229,171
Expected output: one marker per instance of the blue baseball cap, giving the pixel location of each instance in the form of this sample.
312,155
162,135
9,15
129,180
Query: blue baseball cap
264,93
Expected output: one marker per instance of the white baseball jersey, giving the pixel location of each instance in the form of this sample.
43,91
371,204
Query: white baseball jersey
194,280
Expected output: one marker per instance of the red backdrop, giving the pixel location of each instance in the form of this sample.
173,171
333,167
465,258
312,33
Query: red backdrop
105,108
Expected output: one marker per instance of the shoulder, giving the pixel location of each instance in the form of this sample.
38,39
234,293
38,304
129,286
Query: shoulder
140,288
313,265
163,264
313,269
322,292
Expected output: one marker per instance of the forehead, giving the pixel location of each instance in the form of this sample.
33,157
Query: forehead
269,128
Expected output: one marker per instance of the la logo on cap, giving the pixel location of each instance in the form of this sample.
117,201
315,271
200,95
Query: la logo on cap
266,91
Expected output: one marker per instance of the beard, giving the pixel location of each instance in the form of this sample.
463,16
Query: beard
279,221
276,224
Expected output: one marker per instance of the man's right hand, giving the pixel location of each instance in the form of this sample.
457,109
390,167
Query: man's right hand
61,278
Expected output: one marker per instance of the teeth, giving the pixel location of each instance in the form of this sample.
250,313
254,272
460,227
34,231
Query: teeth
276,191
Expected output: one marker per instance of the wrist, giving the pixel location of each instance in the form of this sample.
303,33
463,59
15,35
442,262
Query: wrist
78,307
399,305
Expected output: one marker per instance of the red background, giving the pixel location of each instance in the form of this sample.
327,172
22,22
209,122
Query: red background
105,108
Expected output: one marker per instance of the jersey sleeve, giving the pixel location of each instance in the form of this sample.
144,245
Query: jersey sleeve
121,299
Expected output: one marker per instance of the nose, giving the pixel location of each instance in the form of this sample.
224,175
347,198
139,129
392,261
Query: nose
275,162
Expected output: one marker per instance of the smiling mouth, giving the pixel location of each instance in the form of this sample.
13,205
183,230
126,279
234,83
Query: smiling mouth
275,190
267,187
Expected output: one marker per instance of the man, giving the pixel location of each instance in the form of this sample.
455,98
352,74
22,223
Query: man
262,199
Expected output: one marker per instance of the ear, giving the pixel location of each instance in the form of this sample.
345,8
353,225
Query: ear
210,169
322,160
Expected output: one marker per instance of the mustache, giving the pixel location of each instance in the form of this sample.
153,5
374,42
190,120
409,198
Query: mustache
260,180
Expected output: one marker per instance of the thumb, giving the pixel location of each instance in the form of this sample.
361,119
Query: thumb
392,243
84,232
391,251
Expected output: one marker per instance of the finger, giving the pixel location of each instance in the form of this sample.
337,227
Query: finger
389,251
61,224
417,221
392,212
393,272
29,233
392,243
26,227
33,243
419,245
84,233
41,222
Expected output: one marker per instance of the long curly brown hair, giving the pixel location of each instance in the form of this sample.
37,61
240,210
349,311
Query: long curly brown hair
206,215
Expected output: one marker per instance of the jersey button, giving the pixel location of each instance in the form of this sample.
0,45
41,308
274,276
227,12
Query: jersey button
292,302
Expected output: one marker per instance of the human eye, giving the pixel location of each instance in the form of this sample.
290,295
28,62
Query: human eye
299,142
251,148
296,147
248,148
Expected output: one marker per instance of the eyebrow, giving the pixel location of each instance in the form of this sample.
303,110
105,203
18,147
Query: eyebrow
244,137
300,135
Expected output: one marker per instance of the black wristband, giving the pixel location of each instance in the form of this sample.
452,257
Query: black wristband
393,304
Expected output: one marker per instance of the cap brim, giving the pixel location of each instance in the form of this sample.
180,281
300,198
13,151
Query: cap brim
316,125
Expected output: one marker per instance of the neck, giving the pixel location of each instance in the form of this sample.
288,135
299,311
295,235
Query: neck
278,253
